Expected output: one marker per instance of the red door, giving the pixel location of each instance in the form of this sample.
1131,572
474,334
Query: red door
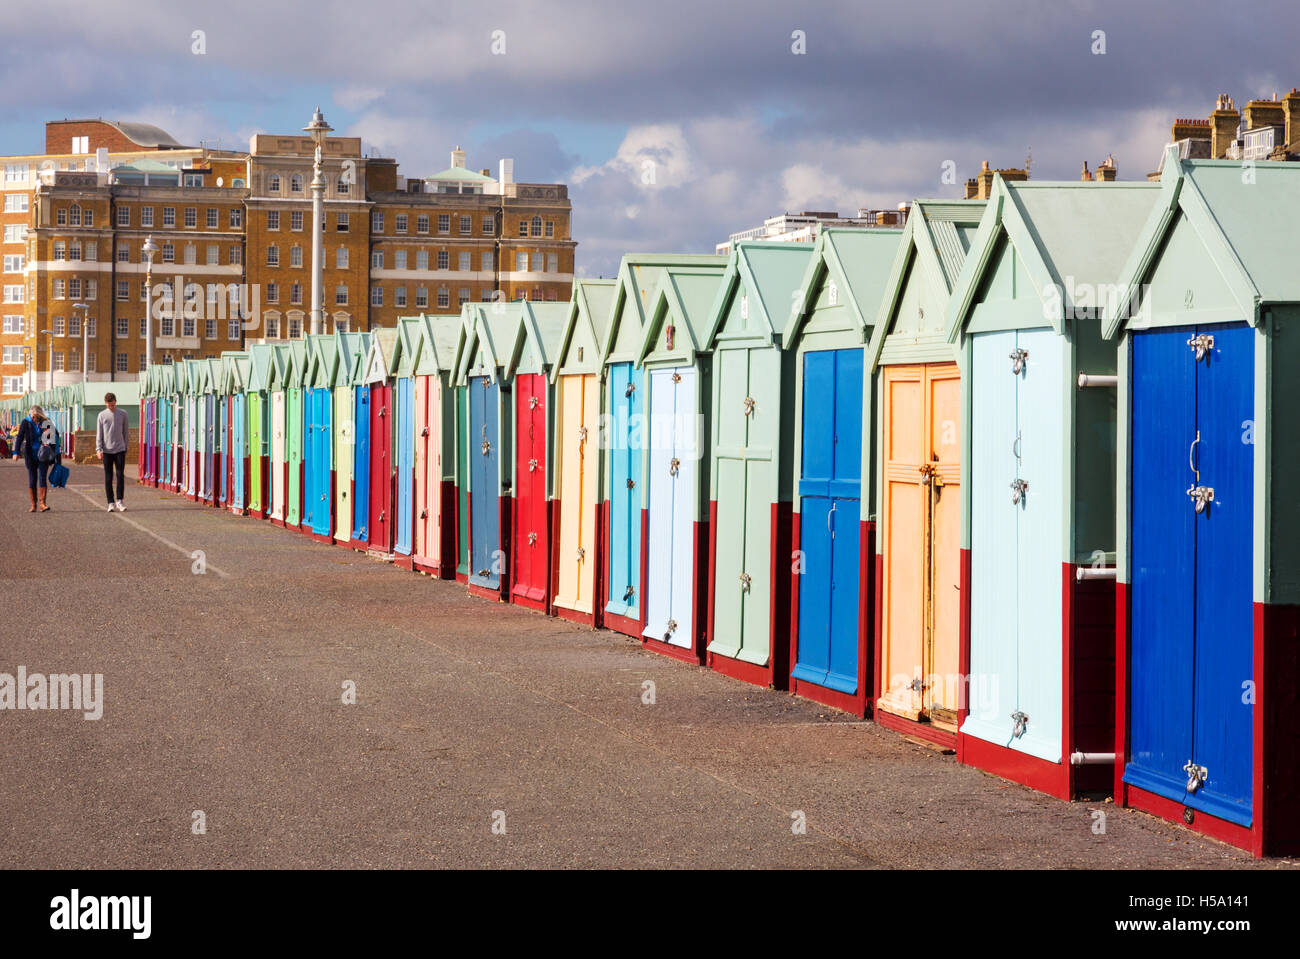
531,537
381,467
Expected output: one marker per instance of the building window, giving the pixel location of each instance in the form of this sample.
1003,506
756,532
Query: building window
191,254
341,258
462,262
463,296
59,290
168,253
187,326
421,296
212,218
74,251
295,327
377,260
13,323
444,298
213,254
273,327
422,223
144,331
552,263
340,326
210,329
191,217
295,221
60,326
537,226
444,260
141,363
550,228
295,256
521,262
399,296
123,216
123,253
421,259
489,226
295,293
124,290
343,221
272,255
60,251
295,183
74,215
15,233
169,216
343,187
236,219
523,227
18,294
232,329
90,327
399,223
341,295
74,325
399,259
120,366
236,255
273,183
467,224
444,222
123,327
76,359
377,221
539,263
92,289
376,296
487,259
61,217
16,203
273,219
273,293
58,362
193,179
146,216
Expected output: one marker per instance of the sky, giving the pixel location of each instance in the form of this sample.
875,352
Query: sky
674,122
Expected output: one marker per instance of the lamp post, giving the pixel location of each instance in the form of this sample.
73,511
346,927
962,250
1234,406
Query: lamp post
148,250
318,129
85,337
49,356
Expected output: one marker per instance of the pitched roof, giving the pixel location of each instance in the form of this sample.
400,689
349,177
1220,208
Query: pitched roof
772,274
684,295
859,260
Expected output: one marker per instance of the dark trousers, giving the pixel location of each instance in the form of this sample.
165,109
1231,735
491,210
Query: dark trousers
114,461
37,470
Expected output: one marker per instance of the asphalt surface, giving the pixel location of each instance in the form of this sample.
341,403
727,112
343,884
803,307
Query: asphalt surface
223,694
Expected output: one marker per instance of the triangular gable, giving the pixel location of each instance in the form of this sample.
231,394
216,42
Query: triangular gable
1069,237
385,345
279,374
585,324
537,338
857,261
490,340
679,314
259,356
296,371
1245,226
638,278
767,278
410,330
931,253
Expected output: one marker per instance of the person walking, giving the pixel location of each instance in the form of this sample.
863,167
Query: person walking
110,446
38,445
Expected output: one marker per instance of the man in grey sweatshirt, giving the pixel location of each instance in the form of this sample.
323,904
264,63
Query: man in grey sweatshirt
110,446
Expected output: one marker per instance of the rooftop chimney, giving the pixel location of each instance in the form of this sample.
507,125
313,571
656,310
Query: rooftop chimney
458,158
1223,126
1263,113
1107,171
1085,176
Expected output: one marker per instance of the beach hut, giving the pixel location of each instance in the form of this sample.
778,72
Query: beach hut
167,426
294,425
482,372
916,561
832,523
191,432
678,385
378,380
460,397
575,483
1208,602
260,357
434,345
278,426
148,439
748,587
234,376
352,348
406,438
623,453
1038,479
528,375
209,380
317,447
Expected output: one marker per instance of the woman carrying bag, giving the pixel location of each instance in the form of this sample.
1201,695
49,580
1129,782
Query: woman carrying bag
38,444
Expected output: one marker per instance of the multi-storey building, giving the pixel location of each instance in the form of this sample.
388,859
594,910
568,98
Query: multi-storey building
1264,130
232,231
805,227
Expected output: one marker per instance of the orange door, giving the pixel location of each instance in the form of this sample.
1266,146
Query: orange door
921,542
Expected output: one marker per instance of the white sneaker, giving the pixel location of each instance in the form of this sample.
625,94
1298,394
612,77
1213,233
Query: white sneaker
110,507
121,507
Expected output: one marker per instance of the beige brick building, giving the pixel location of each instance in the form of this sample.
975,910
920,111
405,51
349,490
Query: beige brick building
234,224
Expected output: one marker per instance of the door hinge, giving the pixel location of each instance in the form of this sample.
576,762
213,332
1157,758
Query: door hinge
1021,722
1018,358
1196,776
1201,345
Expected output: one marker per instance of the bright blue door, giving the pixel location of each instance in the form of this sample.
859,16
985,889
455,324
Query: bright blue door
404,457
830,489
238,451
484,484
1191,629
627,439
361,466
322,511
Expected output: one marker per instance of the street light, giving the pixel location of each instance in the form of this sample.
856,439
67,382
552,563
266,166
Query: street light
85,337
318,129
49,355
148,250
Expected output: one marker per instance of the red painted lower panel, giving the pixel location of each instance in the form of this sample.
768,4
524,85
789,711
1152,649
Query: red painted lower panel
1149,802
1051,778
930,733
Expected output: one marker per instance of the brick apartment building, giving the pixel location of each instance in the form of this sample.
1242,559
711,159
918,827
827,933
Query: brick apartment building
75,219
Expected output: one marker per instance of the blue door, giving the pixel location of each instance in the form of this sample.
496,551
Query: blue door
1191,627
361,466
830,490
321,435
404,457
484,484
239,452
627,439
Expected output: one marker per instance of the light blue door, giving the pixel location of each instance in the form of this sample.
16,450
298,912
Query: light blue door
672,479
627,443
404,457
486,558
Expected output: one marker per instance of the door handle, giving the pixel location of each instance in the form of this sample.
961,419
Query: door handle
1201,345
1018,358
1191,456
1018,489
830,515
1015,446
674,466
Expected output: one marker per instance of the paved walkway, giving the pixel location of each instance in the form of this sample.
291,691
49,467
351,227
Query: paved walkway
223,693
